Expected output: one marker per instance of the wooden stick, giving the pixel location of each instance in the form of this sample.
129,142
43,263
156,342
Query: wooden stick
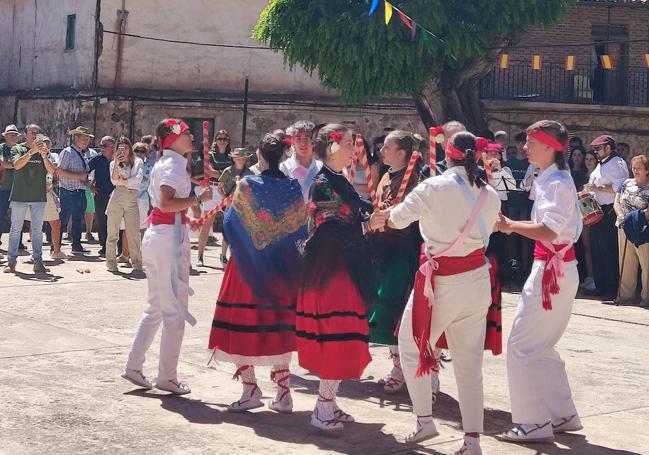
406,177
432,152
360,152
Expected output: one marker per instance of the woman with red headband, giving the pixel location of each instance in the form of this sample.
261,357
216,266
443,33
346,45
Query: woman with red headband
538,385
456,212
166,256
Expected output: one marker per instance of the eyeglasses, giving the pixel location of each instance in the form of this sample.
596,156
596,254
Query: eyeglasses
222,139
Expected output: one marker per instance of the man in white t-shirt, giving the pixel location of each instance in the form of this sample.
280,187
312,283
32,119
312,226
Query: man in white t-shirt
604,182
302,165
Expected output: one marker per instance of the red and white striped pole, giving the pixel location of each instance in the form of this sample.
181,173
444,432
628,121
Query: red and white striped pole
206,154
360,152
433,151
406,178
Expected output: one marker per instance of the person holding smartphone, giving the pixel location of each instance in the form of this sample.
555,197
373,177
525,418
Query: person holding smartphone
31,164
126,173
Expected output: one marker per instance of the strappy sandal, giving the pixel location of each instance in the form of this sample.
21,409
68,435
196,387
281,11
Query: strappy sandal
533,433
329,425
285,407
423,432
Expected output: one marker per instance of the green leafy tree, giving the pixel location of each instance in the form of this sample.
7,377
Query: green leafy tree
364,60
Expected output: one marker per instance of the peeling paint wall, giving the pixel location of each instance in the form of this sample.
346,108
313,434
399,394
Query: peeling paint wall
159,65
32,41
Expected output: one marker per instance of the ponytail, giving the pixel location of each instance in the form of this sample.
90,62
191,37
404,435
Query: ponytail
466,143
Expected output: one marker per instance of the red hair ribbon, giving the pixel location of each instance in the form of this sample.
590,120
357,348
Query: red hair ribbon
481,145
177,128
287,141
336,137
547,139
453,152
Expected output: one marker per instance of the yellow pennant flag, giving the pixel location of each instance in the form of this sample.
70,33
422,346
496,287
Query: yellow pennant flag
646,60
570,63
388,12
504,61
537,61
607,62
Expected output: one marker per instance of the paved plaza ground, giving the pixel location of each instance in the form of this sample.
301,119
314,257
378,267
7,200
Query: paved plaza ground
64,339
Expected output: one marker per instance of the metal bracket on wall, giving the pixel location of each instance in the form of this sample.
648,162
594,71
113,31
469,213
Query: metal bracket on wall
122,14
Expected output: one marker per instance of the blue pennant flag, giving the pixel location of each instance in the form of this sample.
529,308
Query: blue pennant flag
375,4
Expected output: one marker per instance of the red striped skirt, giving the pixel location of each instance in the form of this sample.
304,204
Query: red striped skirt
250,329
332,330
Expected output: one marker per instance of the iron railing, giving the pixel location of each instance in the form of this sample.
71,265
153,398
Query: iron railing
553,83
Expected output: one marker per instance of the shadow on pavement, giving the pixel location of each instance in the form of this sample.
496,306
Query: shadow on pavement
357,438
575,443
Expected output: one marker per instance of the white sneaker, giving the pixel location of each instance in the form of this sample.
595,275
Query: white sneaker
423,431
588,284
529,433
326,425
250,399
471,446
566,424
136,377
176,387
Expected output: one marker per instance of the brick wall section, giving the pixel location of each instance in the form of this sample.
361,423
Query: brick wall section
575,27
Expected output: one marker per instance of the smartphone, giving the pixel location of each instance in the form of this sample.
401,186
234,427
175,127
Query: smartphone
120,150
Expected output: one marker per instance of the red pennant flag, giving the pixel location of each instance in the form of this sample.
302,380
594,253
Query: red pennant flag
404,19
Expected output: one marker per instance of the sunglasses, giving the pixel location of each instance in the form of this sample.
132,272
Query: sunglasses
222,139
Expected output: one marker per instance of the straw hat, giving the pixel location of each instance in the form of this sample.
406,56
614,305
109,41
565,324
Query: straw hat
81,131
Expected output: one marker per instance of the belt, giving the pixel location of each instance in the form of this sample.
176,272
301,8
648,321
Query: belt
72,191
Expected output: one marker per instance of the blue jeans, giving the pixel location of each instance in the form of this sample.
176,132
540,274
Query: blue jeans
18,211
73,205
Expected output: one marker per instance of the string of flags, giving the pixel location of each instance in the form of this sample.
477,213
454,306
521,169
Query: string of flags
605,60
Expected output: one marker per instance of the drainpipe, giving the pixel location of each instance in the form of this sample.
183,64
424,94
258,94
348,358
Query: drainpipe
99,38
122,16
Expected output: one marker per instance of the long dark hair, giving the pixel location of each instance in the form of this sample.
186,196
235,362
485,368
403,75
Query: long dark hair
131,155
321,141
466,143
571,161
272,147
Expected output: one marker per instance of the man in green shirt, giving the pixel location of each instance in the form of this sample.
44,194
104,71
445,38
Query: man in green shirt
28,192
10,136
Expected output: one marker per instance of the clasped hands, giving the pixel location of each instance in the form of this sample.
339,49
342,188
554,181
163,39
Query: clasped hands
503,224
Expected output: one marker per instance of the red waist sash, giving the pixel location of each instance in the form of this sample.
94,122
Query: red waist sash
157,216
554,257
424,299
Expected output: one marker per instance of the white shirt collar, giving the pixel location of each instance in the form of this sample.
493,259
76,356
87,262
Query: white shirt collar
174,155
543,177
293,162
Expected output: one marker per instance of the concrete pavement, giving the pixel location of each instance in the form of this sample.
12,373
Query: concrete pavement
64,338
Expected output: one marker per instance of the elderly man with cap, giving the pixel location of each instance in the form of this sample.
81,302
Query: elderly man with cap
10,136
73,181
28,192
605,181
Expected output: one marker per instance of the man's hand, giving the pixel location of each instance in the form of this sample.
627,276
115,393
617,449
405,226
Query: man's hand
503,225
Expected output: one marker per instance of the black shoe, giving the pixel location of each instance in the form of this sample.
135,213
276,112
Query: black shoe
21,247
79,249
102,252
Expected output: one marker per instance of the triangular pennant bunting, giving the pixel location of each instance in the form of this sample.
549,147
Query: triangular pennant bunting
388,12
404,19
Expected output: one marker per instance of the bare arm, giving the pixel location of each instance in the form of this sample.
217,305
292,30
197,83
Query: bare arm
534,231
170,203
24,159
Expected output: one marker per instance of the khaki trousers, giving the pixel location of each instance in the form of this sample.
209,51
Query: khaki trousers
635,257
123,204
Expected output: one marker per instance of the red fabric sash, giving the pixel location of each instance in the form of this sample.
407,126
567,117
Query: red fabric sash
422,311
554,257
157,216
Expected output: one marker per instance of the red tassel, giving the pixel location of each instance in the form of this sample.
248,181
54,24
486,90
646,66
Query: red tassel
427,361
550,287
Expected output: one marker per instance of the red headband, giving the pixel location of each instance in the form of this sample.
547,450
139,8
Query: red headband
545,138
458,155
177,128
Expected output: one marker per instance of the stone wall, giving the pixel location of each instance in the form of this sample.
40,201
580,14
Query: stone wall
626,124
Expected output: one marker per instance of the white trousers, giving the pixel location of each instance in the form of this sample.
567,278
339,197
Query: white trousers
461,304
157,254
538,384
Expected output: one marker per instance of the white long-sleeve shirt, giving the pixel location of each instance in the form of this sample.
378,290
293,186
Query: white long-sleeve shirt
293,169
613,171
133,174
556,204
440,206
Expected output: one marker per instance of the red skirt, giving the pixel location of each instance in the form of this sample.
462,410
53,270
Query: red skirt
332,330
494,338
247,329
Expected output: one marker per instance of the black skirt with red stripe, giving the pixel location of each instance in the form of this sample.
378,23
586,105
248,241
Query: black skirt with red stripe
332,329
248,329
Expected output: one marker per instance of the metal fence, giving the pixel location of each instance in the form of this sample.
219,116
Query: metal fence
553,83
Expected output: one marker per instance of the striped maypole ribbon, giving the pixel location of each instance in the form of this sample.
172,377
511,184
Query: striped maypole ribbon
487,168
433,151
195,224
206,154
360,152
406,177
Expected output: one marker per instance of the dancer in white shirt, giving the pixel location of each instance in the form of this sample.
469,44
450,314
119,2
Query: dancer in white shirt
302,165
456,213
540,395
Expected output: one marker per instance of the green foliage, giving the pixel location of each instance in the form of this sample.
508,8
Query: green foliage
363,59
